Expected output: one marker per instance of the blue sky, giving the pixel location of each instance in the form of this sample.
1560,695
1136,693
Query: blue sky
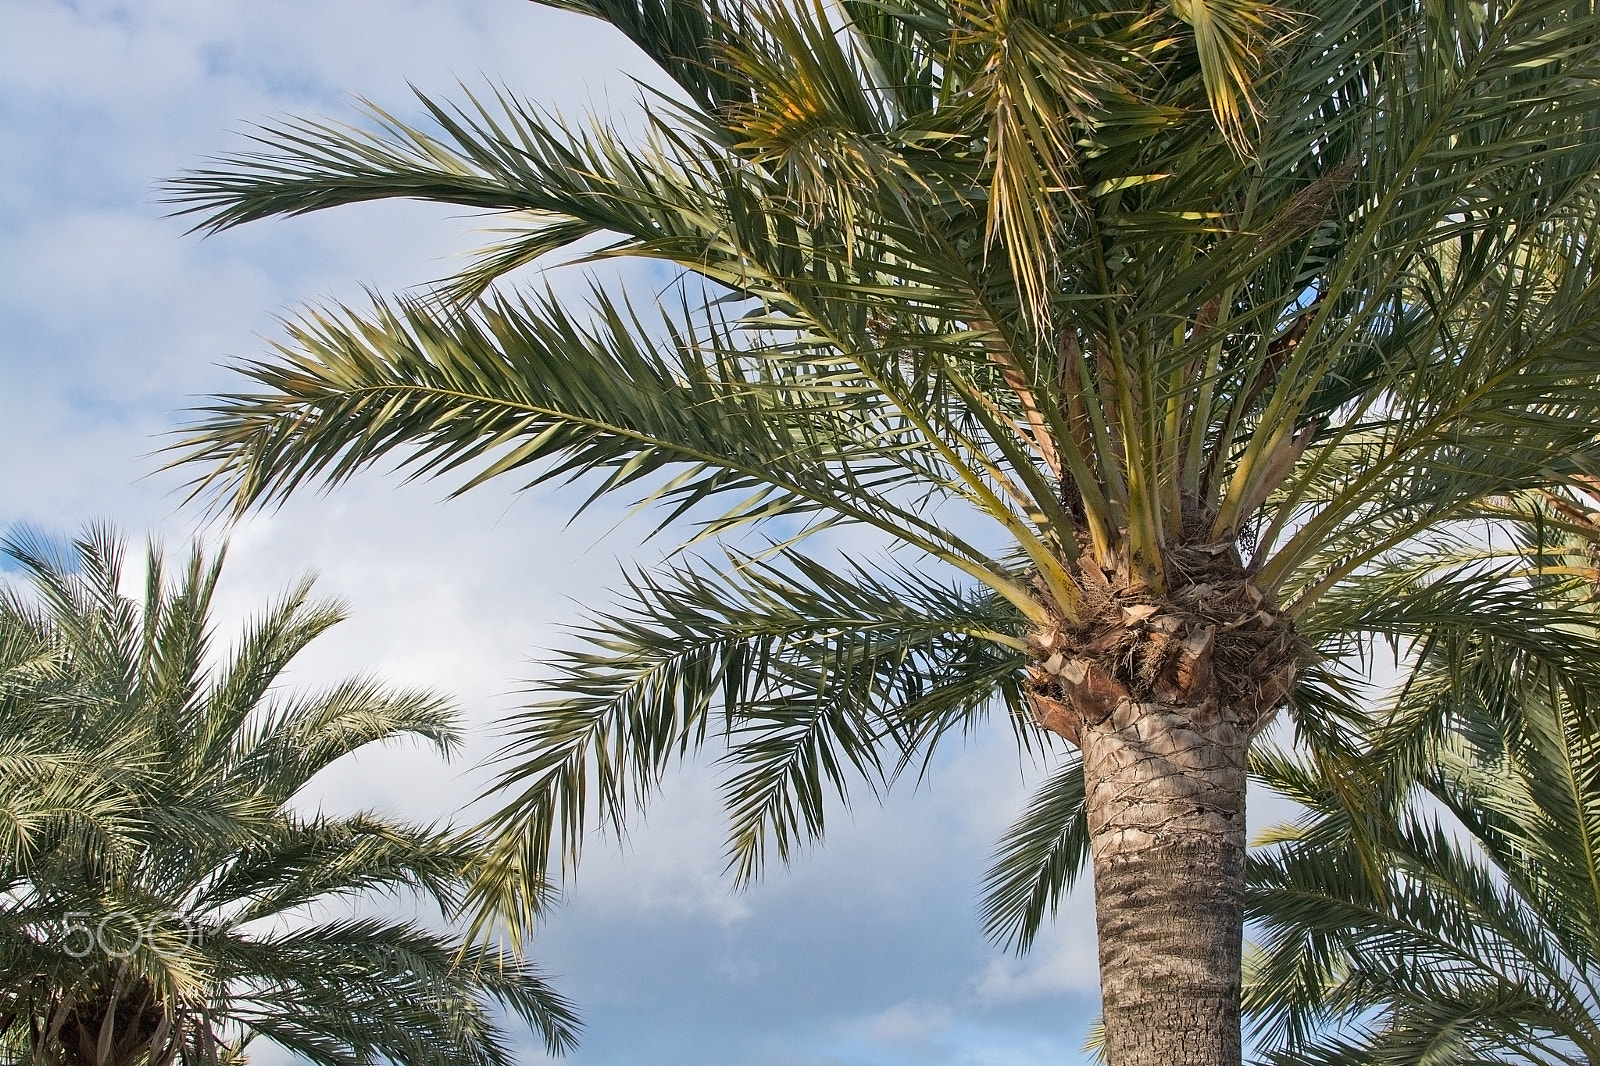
112,321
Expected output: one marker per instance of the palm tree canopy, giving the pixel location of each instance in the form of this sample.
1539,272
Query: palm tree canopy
1440,901
164,895
1137,287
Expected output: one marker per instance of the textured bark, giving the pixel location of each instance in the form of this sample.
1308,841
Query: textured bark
1162,695
1166,794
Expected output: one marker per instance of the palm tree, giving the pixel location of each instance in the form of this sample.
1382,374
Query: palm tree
164,895
1138,328
1475,943
1439,902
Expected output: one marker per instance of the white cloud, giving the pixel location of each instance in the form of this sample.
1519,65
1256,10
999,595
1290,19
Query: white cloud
1063,959
908,1025
670,865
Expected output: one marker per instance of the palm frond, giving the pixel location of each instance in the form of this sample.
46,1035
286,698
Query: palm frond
1038,860
810,674
147,836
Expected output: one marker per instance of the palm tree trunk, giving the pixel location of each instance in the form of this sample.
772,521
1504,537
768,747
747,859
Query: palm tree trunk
1162,700
1166,795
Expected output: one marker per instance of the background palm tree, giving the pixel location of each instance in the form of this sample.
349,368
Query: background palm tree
163,895
1441,899
1140,328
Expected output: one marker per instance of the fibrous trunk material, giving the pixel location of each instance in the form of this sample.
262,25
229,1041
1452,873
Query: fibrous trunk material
1166,794
1162,695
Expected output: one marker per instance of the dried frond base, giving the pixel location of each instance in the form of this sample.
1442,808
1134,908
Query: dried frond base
1214,640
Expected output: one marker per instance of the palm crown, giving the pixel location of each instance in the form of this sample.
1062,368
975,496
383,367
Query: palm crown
1196,310
164,893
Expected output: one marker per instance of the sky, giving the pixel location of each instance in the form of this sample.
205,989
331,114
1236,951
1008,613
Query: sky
114,322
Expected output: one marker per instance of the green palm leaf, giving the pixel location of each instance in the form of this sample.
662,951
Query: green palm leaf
1469,932
1157,337
162,899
